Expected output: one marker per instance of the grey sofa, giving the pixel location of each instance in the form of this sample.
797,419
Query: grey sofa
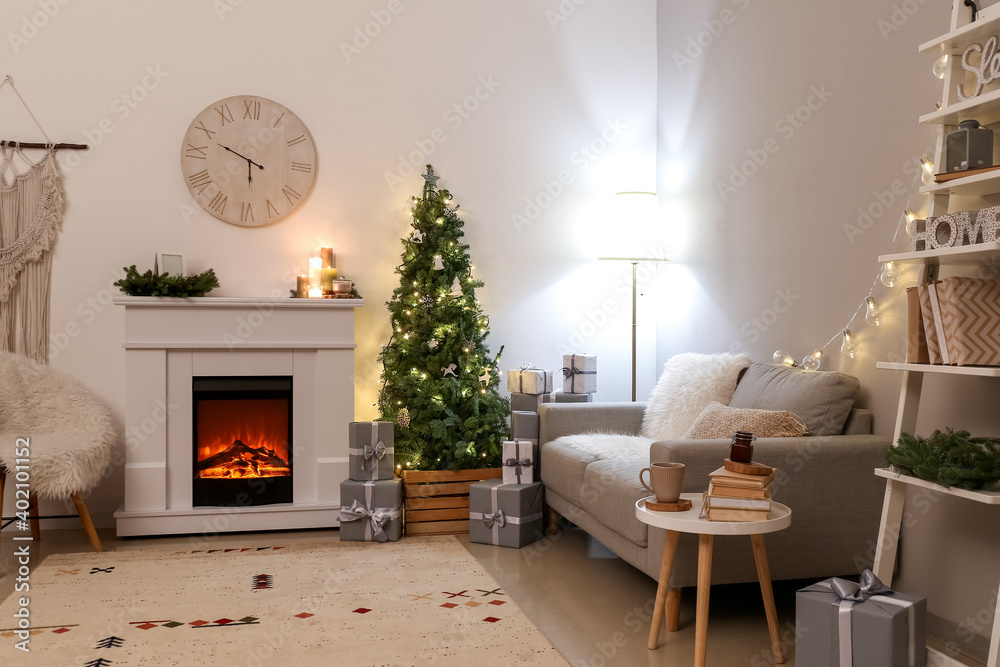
827,481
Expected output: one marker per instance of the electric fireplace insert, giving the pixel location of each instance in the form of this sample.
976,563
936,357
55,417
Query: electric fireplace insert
242,440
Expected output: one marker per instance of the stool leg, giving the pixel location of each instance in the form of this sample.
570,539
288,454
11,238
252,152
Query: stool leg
3,479
673,609
669,549
705,543
36,524
764,575
88,525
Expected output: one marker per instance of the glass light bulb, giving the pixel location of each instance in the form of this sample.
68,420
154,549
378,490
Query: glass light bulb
782,358
890,275
874,315
812,362
848,348
940,66
927,175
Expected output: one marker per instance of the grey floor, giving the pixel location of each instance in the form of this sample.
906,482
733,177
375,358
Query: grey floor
593,607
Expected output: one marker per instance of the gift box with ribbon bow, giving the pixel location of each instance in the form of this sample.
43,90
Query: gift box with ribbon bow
521,402
506,515
519,458
529,379
371,511
839,623
370,451
579,373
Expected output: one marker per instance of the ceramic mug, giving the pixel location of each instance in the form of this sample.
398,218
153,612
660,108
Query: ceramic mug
666,480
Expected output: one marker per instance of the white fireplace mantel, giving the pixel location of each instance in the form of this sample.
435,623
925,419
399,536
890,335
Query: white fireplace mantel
169,341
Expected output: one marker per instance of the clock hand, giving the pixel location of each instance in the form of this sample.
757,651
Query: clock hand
249,161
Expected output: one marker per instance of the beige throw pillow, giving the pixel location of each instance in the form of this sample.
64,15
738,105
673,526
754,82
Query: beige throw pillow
719,421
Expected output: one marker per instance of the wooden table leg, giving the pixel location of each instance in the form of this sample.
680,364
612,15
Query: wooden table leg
704,590
764,576
33,519
673,609
669,549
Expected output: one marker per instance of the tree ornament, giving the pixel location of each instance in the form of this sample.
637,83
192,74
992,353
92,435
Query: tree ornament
485,377
432,344
449,370
417,236
438,263
456,288
427,301
431,177
403,418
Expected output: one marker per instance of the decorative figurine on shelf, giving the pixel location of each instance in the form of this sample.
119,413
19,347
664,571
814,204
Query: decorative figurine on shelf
741,450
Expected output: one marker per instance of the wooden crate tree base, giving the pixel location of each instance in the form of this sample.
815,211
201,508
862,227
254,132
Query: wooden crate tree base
437,501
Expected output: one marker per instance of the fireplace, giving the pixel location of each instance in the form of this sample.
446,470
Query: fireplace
171,346
241,437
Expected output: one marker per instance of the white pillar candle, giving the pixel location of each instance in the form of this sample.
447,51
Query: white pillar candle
315,268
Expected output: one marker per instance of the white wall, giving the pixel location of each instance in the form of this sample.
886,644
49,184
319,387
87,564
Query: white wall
571,96
787,230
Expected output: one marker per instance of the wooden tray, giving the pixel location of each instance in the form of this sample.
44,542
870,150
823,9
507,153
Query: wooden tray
681,505
752,468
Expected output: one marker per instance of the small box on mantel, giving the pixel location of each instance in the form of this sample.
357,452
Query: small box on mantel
370,451
371,511
506,515
579,373
886,630
519,458
521,402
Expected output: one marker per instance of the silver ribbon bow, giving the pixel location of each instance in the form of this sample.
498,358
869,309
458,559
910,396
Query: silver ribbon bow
378,451
498,518
376,519
849,594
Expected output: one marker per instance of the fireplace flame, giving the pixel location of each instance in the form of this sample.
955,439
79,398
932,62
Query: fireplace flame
242,438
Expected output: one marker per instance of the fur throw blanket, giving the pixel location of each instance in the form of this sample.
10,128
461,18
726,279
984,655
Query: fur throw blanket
70,432
609,445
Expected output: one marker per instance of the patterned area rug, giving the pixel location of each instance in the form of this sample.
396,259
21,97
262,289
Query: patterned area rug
420,601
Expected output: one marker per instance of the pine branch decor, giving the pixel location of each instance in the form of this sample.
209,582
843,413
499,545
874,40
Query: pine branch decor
164,284
440,381
949,458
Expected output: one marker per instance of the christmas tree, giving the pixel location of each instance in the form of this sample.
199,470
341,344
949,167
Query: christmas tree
439,380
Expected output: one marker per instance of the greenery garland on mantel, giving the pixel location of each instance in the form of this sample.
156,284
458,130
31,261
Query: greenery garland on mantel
165,284
949,458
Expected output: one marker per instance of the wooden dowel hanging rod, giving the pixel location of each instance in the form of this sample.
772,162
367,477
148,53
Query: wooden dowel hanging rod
35,144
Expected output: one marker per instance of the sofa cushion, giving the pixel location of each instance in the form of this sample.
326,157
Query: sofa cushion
822,399
610,489
719,421
689,382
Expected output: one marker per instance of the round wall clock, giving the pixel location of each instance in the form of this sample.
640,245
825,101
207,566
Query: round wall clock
248,160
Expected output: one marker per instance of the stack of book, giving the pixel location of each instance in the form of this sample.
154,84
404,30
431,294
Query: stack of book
734,496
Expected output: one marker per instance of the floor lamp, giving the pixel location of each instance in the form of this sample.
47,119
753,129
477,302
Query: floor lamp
638,217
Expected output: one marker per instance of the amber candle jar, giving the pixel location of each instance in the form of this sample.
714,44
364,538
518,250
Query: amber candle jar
742,448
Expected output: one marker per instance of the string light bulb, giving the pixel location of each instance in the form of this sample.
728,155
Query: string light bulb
940,66
910,217
890,275
782,358
848,347
811,362
874,316
927,175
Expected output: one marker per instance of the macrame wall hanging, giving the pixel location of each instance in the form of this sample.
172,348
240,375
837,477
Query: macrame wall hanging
31,208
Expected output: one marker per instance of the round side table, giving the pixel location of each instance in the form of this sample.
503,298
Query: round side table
675,523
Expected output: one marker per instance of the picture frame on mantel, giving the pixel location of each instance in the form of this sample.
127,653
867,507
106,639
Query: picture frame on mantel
171,263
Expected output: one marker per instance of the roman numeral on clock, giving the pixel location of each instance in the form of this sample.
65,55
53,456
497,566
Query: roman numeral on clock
305,167
218,203
270,207
290,194
297,140
251,109
196,152
201,126
225,113
246,214
200,181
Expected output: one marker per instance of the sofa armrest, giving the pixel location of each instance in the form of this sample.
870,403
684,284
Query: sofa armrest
845,457
558,419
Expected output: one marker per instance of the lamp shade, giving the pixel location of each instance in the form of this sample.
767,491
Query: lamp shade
635,227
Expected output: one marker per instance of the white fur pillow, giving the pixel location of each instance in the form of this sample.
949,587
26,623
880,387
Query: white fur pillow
689,382
719,421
